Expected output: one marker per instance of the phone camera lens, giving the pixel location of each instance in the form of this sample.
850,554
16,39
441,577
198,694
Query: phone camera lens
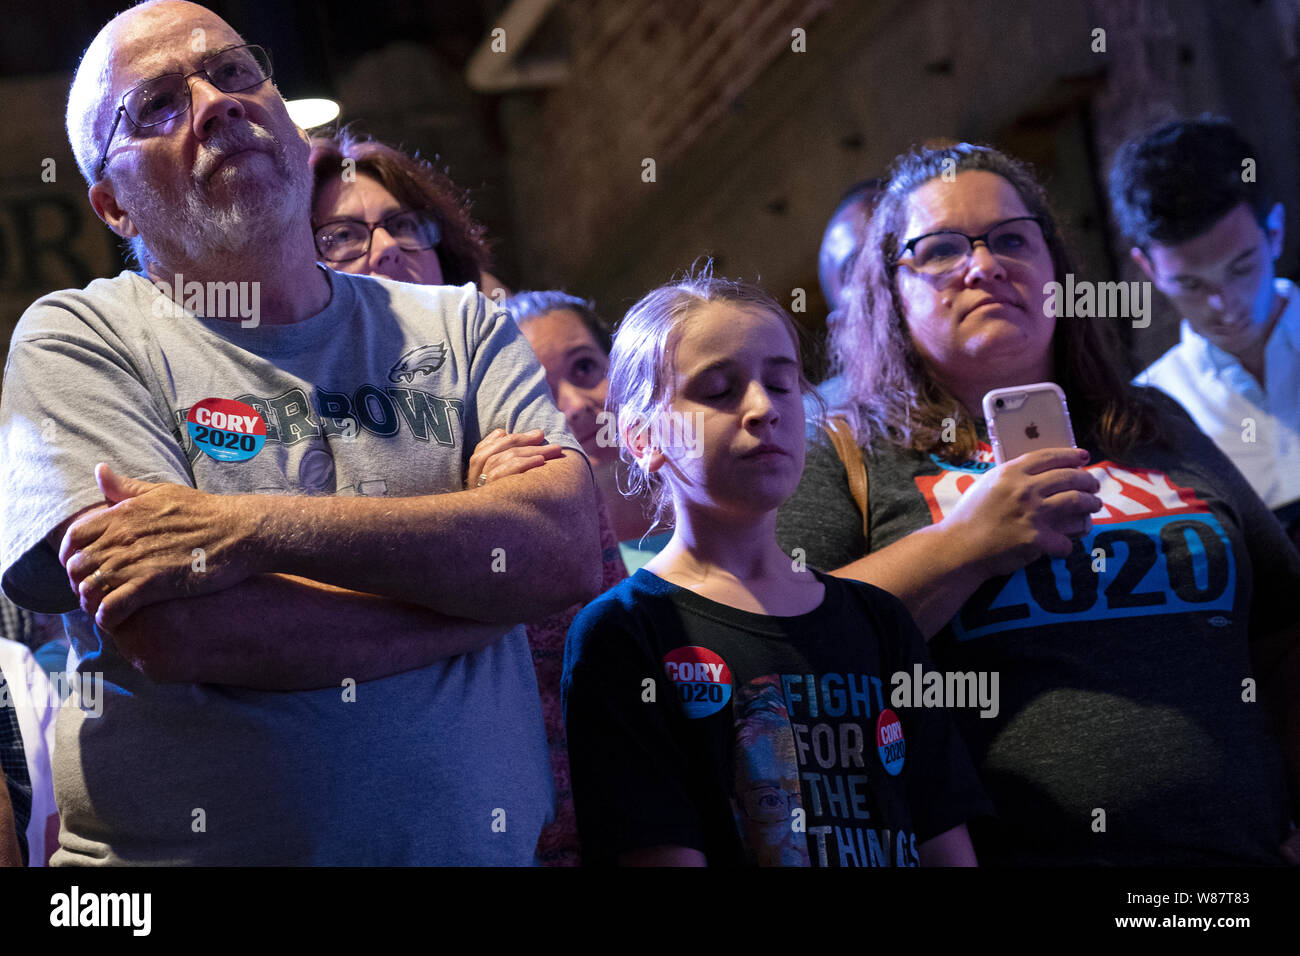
999,403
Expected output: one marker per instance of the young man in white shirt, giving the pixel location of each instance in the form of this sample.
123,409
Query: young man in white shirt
1207,230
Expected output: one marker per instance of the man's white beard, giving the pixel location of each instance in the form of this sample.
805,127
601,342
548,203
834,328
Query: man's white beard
231,214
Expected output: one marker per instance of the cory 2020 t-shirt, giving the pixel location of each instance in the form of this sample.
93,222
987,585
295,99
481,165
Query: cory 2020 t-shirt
1130,729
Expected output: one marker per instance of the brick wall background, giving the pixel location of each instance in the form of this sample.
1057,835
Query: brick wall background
752,141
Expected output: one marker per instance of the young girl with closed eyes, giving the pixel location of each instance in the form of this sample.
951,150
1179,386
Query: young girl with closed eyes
726,705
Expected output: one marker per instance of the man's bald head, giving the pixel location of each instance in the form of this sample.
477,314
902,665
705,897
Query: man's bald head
93,99
225,175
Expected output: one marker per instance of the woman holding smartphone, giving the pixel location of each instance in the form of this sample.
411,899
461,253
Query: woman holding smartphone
1130,595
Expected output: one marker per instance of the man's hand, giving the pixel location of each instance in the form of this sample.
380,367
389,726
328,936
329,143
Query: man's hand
504,453
157,542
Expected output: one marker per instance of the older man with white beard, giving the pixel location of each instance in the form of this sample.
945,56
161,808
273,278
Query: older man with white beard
305,628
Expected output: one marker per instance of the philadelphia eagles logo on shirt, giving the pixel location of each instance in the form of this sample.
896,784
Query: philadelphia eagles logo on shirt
421,360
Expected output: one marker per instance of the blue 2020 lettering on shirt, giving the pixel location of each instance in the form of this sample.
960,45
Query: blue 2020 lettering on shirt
1156,548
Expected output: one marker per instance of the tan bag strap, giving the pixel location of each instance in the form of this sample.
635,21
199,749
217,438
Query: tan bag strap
851,455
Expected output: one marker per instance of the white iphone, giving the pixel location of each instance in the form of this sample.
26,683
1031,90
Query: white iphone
1026,418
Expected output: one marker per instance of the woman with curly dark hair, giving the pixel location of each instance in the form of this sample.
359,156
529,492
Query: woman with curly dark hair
428,235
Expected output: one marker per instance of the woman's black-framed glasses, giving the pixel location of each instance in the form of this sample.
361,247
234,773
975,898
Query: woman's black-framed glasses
343,239
939,253
165,97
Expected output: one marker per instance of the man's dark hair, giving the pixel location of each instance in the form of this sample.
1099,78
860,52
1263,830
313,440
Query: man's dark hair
1174,182
524,306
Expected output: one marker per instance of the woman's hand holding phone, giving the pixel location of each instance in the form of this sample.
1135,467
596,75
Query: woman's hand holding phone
1027,507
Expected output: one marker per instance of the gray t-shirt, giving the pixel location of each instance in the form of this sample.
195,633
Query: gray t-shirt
385,392
1121,667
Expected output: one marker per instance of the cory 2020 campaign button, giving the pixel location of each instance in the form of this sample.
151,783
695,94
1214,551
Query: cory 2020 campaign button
890,742
701,678
225,429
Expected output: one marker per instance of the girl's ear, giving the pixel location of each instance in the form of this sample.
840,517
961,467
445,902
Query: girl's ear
636,436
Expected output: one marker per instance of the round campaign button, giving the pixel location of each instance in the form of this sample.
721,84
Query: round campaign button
701,680
890,742
225,429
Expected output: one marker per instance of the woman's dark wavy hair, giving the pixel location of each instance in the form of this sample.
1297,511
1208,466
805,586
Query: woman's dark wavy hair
893,397
416,184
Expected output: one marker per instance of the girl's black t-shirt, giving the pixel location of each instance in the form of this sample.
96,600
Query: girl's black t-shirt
759,739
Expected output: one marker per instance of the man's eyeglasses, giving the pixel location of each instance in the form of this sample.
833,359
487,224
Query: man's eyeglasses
344,239
165,97
939,253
